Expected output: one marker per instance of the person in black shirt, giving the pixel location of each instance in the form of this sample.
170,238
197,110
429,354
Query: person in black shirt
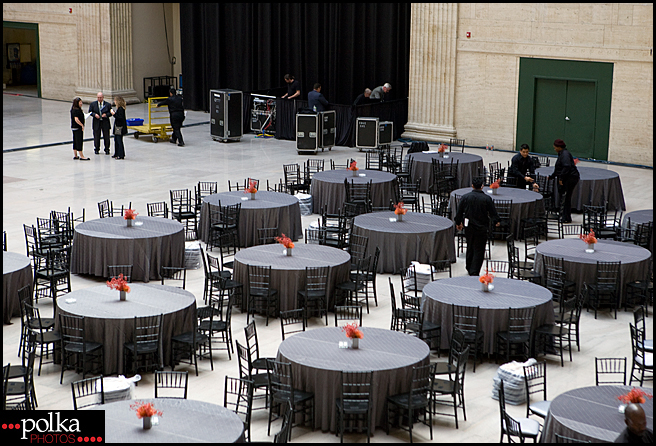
636,426
474,213
363,98
568,176
120,127
316,101
293,88
522,167
176,112
77,124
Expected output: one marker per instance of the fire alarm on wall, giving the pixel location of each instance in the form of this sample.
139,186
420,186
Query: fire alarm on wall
468,34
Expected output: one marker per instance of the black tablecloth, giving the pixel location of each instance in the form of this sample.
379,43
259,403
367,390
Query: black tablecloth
640,217
328,188
523,203
468,167
590,414
110,321
268,210
594,187
493,314
421,237
16,273
182,421
288,273
581,266
317,363
147,247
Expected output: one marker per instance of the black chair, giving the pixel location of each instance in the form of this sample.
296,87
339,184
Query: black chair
313,166
336,166
183,209
505,223
497,266
143,351
395,311
356,285
186,345
456,145
116,270
466,319
76,350
535,380
52,274
640,292
261,297
250,332
454,388
221,281
605,291
238,397
374,160
520,270
430,331
214,276
63,222
20,392
178,381
267,236
357,248
438,267
350,313
370,276
314,297
283,435
610,366
522,427
419,398
294,181
282,392
354,402
158,209
315,236
25,297
555,279
219,327
247,371
457,346
555,338
518,333
359,195
224,229
88,392
174,274
202,190
292,318
642,362
47,338
408,193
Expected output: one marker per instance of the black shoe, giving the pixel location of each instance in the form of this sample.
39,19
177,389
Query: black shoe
76,157
106,152
120,157
85,159
171,141
97,152
181,145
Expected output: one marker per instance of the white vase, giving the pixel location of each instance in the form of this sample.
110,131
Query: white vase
252,195
486,287
399,217
129,220
591,247
355,343
123,295
147,422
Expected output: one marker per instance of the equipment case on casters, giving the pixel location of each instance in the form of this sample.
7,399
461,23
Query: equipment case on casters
385,133
327,129
226,115
315,131
366,133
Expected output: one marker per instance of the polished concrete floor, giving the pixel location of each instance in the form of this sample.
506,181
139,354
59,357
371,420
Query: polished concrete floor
39,180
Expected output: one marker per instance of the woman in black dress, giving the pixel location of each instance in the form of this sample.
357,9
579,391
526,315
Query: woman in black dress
77,124
120,127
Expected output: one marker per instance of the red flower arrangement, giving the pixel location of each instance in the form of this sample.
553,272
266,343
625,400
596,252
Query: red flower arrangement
129,214
576,161
353,166
145,409
442,148
352,331
399,209
588,238
496,184
119,284
486,278
251,189
635,395
285,241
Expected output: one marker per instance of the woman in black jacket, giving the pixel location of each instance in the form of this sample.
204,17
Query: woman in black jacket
120,127
77,124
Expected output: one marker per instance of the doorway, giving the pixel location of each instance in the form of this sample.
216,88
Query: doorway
21,73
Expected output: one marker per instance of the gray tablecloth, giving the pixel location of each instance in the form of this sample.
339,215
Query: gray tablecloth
288,273
581,266
468,167
328,188
493,314
16,273
590,414
182,421
268,210
641,217
108,241
594,187
421,237
317,363
111,321
523,203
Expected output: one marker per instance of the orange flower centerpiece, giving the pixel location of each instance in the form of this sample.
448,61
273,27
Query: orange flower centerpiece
119,284
251,189
590,239
353,333
129,215
441,149
634,396
400,211
286,242
486,279
495,186
145,411
353,167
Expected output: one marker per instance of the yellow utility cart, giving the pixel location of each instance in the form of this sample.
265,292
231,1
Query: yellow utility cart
158,125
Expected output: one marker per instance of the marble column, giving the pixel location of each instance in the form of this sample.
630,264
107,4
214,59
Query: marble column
431,104
105,52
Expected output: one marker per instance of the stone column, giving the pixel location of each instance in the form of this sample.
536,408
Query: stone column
431,104
105,51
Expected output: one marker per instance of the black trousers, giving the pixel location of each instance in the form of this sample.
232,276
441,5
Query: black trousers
119,149
565,192
176,122
476,240
78,139
102,126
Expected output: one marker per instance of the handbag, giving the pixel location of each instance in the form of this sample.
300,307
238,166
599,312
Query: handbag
118,129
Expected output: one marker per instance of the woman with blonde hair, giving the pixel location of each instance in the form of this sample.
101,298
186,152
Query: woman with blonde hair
120,127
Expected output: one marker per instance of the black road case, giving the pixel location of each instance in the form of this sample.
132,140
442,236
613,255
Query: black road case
385,133
226,115
366,133
327,129
315,131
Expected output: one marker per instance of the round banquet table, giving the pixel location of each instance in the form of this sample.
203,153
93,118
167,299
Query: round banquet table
288,273
328,188
421,237
16,273
640,217
154,243
182,421
468,167
111,321
268,210
523,203
590,414
493,313
317,363
594,187
581,267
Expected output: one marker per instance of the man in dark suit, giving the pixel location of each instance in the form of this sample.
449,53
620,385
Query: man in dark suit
316,101
100,112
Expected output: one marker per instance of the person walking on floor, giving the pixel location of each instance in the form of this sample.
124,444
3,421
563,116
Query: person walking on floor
77,124
567,174
120,127
177,114
100,112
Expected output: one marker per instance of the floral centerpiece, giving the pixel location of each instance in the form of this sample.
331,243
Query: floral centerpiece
129,215
286,242
576,161
353,333
145,411
441,149
486,279
495,186
353,167
590,239
400,211
251,189
634,395
119,284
